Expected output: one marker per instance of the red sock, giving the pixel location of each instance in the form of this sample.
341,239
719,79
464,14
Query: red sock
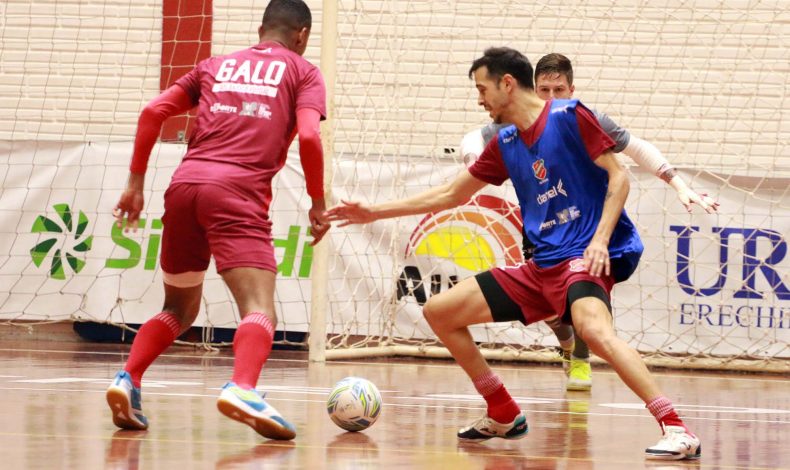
252,344
152,339
665,413
501,406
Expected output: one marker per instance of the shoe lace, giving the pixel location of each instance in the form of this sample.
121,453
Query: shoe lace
249,395
673,437
483,423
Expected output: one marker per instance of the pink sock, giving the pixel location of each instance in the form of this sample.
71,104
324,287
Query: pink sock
252,344
661,408
152,339
501,406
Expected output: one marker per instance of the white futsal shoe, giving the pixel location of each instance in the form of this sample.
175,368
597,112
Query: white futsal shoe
676,444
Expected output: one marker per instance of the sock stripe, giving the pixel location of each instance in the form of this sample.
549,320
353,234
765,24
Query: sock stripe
487,384
258,318
660,407
252,344
170,321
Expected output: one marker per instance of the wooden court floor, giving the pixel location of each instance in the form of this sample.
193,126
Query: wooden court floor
55,417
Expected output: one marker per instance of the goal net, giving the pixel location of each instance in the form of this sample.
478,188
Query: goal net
704,81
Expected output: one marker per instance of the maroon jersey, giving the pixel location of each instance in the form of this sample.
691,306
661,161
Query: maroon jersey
246,119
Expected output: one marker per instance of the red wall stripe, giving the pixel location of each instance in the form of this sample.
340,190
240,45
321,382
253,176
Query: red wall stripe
186,40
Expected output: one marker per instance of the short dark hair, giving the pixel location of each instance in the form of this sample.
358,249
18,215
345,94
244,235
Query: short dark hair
285,15
554,64
501,61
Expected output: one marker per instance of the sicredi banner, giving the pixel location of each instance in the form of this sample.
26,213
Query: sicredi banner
707,283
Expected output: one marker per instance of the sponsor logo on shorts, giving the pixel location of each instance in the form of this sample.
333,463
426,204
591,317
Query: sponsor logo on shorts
577,266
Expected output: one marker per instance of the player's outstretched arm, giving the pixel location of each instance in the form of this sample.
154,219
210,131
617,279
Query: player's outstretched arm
596,255
649,157
311,156
447,196
171,102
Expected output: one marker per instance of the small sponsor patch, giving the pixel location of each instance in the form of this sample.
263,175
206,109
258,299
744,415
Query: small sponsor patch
577,266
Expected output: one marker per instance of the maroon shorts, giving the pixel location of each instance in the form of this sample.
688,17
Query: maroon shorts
204,220
542,293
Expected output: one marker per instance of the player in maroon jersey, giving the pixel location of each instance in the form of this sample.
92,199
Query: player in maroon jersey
251,104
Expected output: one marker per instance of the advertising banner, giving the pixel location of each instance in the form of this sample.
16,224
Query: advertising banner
714,284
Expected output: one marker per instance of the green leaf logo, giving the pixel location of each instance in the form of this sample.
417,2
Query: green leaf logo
65,229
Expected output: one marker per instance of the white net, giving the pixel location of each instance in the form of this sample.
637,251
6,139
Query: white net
705,81
711,289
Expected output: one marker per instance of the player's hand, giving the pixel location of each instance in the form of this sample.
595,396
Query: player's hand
596,258
319,224
688,197
350,212
131,203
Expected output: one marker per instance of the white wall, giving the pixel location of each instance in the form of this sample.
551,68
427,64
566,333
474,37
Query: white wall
705,80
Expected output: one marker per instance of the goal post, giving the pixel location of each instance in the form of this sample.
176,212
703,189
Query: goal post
320,278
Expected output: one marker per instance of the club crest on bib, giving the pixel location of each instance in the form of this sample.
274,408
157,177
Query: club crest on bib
539,169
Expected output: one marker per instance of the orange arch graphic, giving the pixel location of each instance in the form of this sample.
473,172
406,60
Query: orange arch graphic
510,212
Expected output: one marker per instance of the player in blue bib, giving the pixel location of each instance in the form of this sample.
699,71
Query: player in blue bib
572,191
556,182
554,80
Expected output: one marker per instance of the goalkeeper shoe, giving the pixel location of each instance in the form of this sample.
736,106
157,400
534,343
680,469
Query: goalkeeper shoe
248,407
676,444
485,428
579,376
125,401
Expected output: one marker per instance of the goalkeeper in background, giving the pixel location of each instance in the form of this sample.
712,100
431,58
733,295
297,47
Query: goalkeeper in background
554,79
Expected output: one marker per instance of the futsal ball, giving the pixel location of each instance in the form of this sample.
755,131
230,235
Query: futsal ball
354,404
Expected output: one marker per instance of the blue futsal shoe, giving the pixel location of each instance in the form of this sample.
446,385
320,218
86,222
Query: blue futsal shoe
485,428
126,401
248,407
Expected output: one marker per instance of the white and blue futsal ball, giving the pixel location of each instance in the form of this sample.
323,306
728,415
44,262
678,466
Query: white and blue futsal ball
354,404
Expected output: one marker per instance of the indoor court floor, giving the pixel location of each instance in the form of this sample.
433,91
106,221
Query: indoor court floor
55,416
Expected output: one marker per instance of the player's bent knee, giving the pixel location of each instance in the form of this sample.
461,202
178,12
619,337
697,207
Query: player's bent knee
431,312
599,343
435,313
